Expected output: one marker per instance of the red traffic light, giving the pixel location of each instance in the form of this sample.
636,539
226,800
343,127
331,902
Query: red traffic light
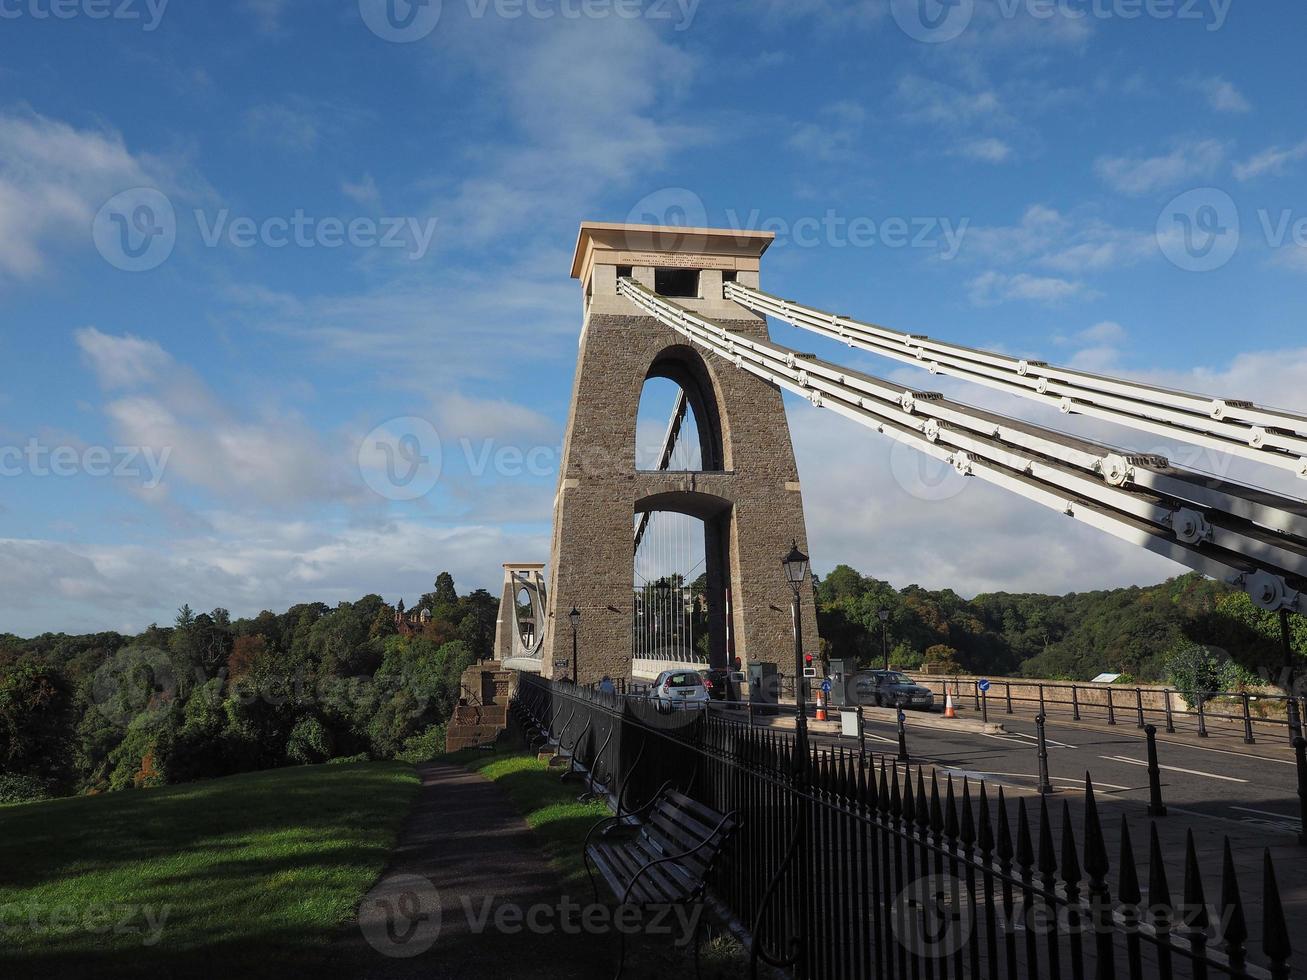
807,658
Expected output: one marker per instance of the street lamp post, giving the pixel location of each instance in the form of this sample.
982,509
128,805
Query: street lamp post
575,617
796,570
884,644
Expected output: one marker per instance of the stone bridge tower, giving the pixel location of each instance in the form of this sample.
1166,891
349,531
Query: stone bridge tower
748,494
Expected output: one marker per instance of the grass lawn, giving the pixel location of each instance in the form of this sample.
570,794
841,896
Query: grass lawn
245,876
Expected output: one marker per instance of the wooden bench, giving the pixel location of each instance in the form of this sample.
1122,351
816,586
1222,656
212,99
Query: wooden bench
664,859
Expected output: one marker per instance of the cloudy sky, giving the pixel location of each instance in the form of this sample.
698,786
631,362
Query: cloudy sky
249,248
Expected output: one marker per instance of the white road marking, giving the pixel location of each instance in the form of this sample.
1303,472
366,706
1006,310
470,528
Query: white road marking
1031,775
1050,741
1266,813
1188,772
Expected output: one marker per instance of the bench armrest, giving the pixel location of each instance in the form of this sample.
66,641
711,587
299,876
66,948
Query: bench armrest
729,818
612,821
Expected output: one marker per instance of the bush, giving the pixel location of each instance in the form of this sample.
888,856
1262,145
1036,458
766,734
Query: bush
425,746
21,789
1196,670
345,760
309,742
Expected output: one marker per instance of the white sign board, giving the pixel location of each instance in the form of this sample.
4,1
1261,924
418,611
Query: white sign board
1105,679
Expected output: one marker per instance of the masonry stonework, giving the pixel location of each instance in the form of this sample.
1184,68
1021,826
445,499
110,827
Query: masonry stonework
748,494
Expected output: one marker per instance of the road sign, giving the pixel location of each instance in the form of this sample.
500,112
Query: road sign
983,684
902,716
825,686
809,671
562,664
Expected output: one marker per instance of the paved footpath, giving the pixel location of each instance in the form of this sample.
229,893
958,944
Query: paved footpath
465,838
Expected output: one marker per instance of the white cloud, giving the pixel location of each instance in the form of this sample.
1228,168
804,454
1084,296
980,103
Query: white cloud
834,135
940,103
996,287
272,459
990,150
267,14
1142,175
1221,94
121,362
1272,160
53,180
245,565
1107,332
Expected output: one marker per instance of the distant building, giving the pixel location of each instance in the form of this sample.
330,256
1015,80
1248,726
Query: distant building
410,623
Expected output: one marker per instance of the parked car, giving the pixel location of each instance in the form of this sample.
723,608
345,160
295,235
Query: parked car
674,689
722,683
889,688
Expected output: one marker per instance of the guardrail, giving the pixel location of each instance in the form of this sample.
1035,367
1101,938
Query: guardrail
1246,712
849,868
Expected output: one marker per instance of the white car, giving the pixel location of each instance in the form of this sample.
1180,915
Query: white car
674,689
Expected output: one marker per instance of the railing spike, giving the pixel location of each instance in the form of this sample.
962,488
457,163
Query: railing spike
1194,899
909,805
1158,890
1234,927
1025,846
1275,933
1047,856
1005,849
1096,862
950,811
986,827
895,799
923,811
1070,859
968,829
936,808
1128,887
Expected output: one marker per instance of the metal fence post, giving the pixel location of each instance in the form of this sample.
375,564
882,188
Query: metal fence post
1041,699
1045,787
1170,718
1300,756
1139,704
975,690
862,735
1294,719
1202,717
1155,806
903,737
984,706
1247,722
1111,708
1007,685
1075,702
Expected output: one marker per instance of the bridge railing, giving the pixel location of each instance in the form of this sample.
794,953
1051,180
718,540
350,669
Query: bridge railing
1246,714
849,867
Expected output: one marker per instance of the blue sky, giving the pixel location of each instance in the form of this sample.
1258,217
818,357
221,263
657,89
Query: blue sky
438,184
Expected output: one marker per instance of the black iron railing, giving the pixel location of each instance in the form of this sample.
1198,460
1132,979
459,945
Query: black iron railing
917,877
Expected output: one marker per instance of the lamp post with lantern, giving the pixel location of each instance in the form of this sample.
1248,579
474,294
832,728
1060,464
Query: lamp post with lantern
574,617
884,644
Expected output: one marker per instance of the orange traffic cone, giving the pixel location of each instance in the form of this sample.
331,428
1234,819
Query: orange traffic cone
821,707
949,711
